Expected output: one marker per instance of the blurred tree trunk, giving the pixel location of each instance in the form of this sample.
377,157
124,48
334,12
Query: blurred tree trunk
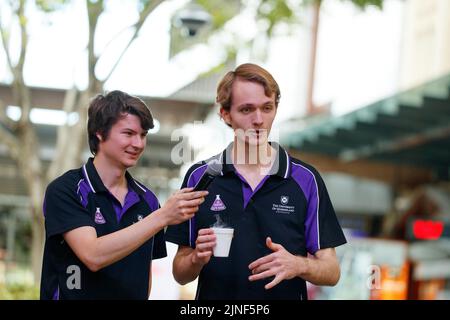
311,107
21,140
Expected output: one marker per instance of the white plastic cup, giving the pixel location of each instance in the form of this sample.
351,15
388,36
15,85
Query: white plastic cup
223,241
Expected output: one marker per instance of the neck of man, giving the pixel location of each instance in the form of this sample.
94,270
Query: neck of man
253,157
111,174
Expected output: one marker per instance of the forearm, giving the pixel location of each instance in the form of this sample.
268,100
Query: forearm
322,272
106,250
184,269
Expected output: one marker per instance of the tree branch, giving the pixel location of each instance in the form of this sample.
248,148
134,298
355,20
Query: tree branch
94,10
113,38
7,122
63,136
23,34
10,140
20,90
5,42
152,5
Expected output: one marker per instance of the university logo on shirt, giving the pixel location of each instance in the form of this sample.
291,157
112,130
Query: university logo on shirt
283,206
99,219
218,204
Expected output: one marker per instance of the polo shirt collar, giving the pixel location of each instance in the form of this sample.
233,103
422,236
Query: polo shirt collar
281,167
96,184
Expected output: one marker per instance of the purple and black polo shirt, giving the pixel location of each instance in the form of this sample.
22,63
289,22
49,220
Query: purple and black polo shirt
291,205
79,198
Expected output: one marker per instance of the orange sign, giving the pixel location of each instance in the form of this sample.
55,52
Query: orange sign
393,283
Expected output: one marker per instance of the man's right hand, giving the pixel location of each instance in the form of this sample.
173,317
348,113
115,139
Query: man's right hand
204,245
182,205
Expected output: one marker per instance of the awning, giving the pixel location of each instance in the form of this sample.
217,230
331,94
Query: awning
411,127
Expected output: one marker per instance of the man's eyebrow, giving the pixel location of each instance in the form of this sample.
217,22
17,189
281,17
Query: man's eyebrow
128,129
134,131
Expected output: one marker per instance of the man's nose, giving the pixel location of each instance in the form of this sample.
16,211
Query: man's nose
258,117
139,142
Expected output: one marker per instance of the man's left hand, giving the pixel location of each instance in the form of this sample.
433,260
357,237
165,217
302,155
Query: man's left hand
280,264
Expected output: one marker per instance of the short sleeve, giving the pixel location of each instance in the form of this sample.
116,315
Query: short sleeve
159,244
63,210
180,233
322,226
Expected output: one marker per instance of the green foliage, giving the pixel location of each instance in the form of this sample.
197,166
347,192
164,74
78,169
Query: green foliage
22,250
142,4
274,12
220,11
217,69
19,292
363,4
269,13
51,5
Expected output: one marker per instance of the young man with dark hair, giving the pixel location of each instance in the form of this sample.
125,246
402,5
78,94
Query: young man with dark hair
103,228
277,205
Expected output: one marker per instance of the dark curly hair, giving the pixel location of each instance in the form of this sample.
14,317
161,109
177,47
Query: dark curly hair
105,110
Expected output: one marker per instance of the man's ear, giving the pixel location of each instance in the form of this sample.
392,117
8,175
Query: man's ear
225,115
99,137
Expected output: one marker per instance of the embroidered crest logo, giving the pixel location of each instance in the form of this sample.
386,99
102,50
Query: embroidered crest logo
99,219
218,204
284,200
